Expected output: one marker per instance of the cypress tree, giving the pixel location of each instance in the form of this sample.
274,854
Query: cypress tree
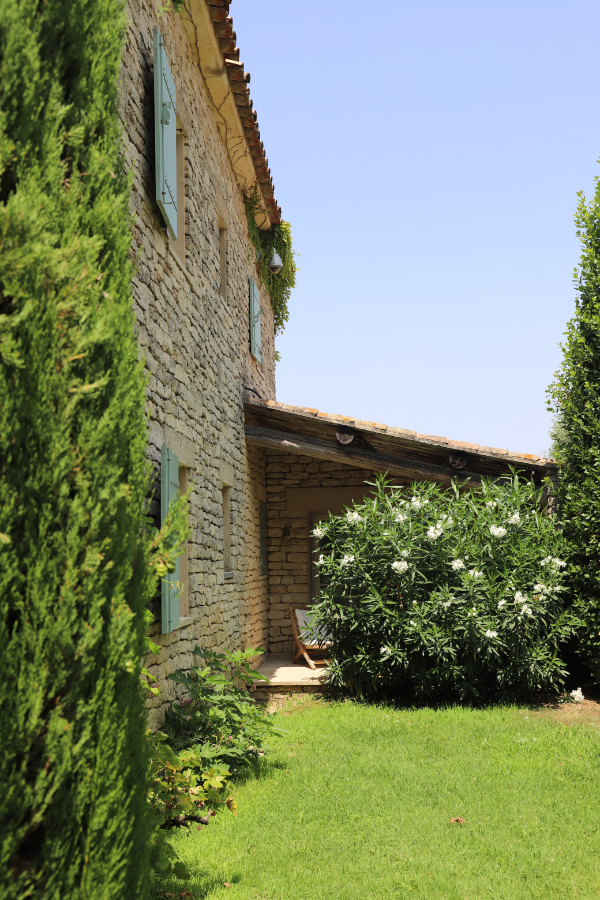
74,562
575,400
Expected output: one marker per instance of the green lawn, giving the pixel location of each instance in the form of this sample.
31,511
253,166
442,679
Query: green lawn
356,802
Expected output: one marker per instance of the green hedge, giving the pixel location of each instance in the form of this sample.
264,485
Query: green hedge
74,566
575,400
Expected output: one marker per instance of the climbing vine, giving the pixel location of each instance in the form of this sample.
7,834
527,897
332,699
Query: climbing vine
279,238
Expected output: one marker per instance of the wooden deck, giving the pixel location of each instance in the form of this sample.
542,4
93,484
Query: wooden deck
286,677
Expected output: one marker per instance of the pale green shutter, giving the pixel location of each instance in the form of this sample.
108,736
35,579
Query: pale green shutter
165,136
169,491
255,314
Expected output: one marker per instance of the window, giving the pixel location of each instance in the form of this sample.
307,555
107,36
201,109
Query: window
174,586
223,258
227,570
255,314
226,472
262,528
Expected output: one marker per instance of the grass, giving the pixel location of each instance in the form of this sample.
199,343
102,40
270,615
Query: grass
356,803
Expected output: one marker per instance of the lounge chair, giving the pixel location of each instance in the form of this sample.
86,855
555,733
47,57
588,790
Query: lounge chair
308,638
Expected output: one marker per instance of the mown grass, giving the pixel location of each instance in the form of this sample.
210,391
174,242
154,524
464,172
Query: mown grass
356,803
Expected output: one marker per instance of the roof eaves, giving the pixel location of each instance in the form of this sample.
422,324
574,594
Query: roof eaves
239,80
434,440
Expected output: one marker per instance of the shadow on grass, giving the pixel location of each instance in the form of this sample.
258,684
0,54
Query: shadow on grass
201,885
258,770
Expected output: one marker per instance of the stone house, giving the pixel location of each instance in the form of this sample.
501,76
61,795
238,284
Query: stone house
260,472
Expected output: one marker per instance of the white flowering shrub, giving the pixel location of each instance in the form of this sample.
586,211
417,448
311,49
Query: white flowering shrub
445,594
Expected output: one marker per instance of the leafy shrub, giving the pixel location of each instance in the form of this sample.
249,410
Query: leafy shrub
183,792
219,719
444,593
574,398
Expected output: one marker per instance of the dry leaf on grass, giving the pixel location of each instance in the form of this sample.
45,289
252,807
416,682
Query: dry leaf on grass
457,821
227,884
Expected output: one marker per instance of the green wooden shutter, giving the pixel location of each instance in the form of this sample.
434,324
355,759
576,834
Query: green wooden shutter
262,527
255,314
165,136
169,491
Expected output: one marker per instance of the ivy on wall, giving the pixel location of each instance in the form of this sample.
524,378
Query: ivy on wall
279,238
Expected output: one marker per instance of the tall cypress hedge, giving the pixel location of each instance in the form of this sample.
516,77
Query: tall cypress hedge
74,573
575,400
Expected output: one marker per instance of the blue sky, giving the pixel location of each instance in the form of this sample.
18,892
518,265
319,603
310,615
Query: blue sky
428,156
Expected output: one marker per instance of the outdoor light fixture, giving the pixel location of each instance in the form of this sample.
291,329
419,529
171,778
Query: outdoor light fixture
275,263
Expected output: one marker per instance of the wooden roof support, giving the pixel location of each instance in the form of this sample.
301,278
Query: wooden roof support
285,442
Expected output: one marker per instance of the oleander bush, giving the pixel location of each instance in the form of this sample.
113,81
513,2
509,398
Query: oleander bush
433,594
218,718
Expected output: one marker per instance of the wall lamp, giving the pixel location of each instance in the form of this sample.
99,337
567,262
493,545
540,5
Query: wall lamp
275,263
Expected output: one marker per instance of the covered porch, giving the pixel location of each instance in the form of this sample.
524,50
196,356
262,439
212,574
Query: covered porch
317,464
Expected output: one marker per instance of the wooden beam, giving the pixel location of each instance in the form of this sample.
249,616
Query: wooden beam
395,465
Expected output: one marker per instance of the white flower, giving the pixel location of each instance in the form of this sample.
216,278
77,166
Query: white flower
353,516
458,564
577,695
319,532
491,634
520,598
553,562
412,622
527,611
400,517
497,531
539,589
447,603
434,532
515,519
405,553
400,565
345,560
475,574
491,504
501,604
320,560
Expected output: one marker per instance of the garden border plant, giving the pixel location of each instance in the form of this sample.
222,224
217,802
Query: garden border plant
437,594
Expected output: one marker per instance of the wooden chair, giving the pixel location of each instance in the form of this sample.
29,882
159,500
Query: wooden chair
308,640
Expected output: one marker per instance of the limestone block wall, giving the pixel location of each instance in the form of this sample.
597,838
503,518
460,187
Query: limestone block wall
289,479
195,344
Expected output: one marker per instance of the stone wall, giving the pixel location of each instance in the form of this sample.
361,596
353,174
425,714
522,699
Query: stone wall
290,501
196,350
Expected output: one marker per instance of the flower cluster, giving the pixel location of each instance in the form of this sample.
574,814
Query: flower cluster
515,519
346,560
417,504
458,564
577,695
491,634
400,565
319,532
434,532
475,574
497,531
353,516
400,517
554,563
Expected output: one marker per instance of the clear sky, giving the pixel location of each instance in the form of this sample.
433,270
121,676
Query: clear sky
428,156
